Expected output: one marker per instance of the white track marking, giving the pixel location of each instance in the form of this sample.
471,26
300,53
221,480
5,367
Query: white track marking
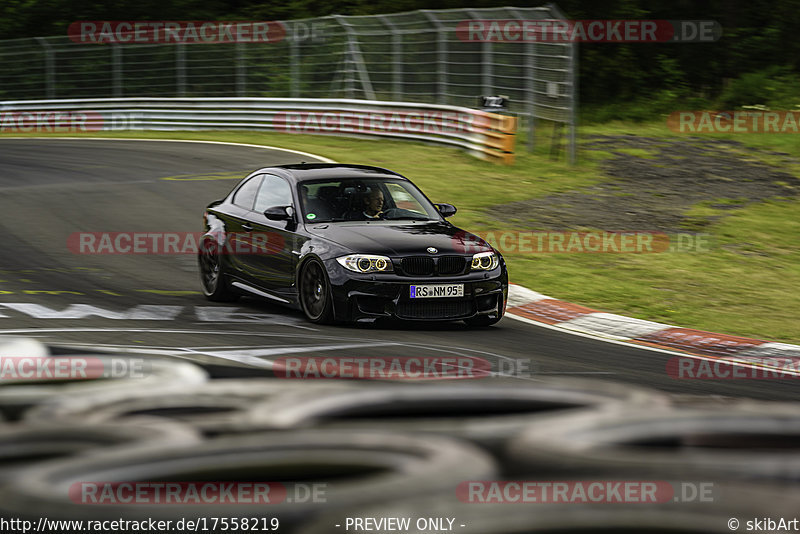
322,159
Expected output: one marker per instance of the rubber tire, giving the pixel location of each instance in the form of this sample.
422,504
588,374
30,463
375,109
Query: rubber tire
219,291
366,468
488,412
326,316
217,407
161,374
24,445
748,440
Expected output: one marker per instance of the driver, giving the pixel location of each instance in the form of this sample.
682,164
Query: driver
373,206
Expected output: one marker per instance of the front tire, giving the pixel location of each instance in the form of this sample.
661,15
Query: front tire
315,293
212,276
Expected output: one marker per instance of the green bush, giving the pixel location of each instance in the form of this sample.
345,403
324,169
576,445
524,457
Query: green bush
774,87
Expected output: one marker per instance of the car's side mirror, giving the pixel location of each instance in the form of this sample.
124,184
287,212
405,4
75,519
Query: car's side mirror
447,210
279,213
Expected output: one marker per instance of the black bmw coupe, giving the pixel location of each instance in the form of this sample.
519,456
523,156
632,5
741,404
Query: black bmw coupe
348,243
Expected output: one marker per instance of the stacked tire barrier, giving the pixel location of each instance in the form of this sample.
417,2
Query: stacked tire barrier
416,450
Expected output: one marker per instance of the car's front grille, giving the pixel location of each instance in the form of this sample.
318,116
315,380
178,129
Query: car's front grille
417,266
451,265
435,309
427,266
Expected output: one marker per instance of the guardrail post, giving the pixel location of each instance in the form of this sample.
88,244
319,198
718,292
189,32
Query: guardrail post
49,68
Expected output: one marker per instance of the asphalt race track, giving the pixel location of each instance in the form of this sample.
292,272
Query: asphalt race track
151,304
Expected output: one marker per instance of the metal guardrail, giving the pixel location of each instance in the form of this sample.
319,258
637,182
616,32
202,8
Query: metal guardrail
417,56
485,135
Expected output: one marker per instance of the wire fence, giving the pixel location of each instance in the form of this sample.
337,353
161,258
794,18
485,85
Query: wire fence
420,56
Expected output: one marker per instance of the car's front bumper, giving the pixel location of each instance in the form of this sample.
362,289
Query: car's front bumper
368,297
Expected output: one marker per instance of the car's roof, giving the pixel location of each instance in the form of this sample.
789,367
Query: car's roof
302,172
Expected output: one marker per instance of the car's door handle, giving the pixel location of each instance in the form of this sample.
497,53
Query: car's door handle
246,227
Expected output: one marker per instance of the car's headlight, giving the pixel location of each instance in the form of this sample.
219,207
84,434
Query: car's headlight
366,263
485,261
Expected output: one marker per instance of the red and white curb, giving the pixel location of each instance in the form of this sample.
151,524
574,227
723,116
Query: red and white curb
529,305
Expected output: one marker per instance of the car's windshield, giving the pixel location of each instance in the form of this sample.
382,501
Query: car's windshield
348,199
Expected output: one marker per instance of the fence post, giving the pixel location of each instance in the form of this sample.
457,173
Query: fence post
486,70
397,56
356,60
180,68
294,66
530,85
573,103
349,60
486,61
441,58
116,70
241,70
572,88
49,68
349,70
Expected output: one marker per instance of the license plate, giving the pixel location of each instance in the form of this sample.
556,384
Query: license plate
437,290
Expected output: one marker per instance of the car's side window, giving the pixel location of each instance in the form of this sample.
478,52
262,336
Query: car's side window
246,194
275,191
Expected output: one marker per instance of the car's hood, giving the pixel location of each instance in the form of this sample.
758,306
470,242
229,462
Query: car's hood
400,238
